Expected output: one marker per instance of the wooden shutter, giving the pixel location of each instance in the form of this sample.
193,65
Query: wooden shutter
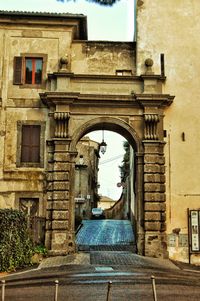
17,74
30,148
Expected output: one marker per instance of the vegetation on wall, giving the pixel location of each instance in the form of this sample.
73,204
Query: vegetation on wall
16,248
125,166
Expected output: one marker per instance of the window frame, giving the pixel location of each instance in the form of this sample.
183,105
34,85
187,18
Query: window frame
20,69
31,195
33,72
34,199
19,162
30,144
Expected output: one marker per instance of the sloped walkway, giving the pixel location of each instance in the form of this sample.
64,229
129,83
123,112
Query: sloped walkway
107,258
116,235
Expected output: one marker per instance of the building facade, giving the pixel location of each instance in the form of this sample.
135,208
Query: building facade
56,87
86,178
171,29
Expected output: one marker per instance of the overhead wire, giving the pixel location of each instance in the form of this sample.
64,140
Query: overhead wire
111,159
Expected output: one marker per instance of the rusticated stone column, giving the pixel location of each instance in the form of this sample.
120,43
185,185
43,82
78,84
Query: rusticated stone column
60,227
154,200
49,189
140,205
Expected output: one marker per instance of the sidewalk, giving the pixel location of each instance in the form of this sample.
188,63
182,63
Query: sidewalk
110,258
80,262
186,266
77,259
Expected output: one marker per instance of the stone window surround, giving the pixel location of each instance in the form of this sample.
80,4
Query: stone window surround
31,195
20,123
44,68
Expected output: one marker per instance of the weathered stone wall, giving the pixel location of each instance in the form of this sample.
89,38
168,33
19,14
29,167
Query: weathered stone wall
103,58
83,93
171,28
19,104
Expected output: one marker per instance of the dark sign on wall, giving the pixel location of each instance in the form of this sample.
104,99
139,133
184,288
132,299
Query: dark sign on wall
194,230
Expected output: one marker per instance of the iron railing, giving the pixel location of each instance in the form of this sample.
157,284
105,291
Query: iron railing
56,290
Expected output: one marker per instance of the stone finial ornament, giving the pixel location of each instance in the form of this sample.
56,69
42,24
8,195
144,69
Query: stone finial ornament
149,63
64,61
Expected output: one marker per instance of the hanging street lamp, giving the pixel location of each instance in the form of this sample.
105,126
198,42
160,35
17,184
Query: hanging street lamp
103,145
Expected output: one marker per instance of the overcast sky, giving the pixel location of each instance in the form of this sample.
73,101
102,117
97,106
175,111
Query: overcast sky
104,23
114,23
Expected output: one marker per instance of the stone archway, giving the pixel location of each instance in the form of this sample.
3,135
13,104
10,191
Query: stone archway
109,123
139,118
121,127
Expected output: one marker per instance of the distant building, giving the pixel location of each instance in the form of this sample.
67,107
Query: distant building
86,176
106,202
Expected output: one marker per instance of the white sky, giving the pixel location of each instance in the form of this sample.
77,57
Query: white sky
109,174
114,23
104,23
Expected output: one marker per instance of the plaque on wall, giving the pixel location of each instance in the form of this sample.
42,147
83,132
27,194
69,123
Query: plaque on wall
195,215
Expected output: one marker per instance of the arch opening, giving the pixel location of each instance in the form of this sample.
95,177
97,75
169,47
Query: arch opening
128,205
111,124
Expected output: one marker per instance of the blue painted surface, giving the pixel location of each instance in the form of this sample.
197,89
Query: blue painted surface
105,232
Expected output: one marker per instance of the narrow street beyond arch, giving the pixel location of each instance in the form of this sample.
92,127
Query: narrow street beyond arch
99,234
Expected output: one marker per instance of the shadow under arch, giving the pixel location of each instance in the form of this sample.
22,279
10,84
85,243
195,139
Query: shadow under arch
111,124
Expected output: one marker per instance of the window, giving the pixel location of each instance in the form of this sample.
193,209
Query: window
29,70
30,206
30,148
124,72
33,71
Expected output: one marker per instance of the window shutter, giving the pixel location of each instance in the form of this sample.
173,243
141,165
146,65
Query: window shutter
35,143
30,148
17,76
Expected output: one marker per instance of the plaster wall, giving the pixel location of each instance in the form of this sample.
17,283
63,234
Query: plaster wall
105,86
94,57
23,104
172,27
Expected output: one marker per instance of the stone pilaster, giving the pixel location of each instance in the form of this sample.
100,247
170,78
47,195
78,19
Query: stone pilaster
60,236
49,179
140,204
154,200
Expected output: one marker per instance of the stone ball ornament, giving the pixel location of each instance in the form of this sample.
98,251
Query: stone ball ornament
149,62
64,60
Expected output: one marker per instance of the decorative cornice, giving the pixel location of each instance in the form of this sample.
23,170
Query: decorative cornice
134,100
153,76
94,76
151,100
55,98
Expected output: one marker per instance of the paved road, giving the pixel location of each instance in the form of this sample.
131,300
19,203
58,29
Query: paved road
85,276
89,283
105,232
